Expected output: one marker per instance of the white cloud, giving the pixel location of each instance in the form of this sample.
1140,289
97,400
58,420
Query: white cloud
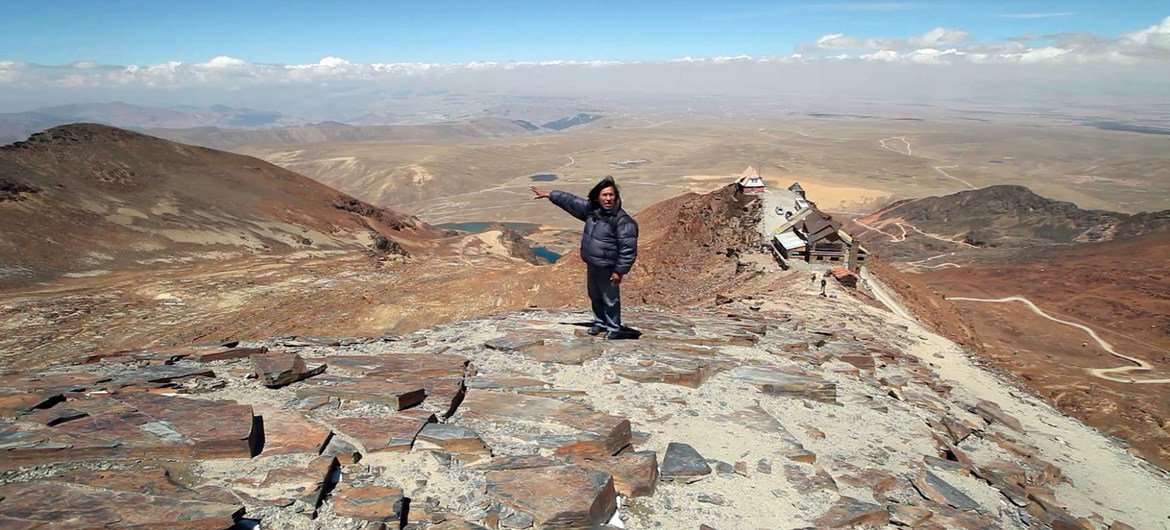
939,37
838,41
1155,38
885,56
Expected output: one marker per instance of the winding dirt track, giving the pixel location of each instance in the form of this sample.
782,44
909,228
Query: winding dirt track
1103,373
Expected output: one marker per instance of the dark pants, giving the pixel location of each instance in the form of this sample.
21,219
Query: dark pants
606,298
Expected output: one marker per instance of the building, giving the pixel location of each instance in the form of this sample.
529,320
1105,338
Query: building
844,276
750,182
797,189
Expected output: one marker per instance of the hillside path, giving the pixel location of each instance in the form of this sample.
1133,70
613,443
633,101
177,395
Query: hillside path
1103,373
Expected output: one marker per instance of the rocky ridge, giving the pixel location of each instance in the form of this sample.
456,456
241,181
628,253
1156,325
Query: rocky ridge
794,412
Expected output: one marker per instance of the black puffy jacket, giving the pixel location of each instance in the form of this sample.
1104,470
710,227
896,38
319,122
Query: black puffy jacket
610,239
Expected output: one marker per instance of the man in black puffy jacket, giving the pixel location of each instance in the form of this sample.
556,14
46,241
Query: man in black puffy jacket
609,247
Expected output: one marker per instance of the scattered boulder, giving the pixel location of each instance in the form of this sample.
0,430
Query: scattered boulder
565,496
369,503
278,369
848,512
683,462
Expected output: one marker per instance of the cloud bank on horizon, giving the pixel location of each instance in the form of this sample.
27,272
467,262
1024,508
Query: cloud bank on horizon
1143,53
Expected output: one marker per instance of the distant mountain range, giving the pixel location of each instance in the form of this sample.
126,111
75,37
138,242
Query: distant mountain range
19,125
226,127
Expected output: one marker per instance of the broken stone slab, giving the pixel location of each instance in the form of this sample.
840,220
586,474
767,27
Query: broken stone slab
511,343
848,512
440,375
367,389
635,473
290,432
599,433
221,353
286,485
565,496
671,366
573,352
277,369
14,405
683,462
992,413
796,384
504,382
390,434
345,452
502,463
930,486
806,483
127,426
55,415
451,439
158,374
53,504
906,515
877,481
369,503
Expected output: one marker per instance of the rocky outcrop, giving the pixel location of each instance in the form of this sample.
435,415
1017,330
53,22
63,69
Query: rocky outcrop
438,430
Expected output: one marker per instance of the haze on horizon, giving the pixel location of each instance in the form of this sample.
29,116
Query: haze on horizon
371,58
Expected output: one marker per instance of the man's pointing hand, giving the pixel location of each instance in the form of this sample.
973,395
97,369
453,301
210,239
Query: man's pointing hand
540,194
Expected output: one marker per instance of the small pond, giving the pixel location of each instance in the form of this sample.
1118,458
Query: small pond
522,228
543,177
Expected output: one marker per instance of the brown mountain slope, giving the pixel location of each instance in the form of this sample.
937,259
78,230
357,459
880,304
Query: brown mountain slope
1119,289
992,224
90,197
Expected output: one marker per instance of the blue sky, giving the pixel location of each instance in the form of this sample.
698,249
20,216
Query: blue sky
297,32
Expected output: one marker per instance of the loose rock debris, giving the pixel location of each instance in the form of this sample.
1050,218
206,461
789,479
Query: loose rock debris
517,424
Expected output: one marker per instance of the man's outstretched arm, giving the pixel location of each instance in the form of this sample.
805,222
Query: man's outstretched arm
576,206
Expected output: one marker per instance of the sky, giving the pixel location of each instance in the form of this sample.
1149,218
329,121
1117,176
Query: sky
73,51
297,32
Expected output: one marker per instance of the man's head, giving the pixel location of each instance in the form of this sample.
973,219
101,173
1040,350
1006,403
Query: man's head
608,197
605,194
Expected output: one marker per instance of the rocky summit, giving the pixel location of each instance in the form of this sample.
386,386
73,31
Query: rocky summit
796,411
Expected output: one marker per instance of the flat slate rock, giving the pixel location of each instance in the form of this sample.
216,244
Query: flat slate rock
795,384
277,369
573,352
368,389
599,433
452,439
513,343
565,496
848,512
59,505
635,473
283,486
133,426
290,432
369,503
682,461
390,434
930,486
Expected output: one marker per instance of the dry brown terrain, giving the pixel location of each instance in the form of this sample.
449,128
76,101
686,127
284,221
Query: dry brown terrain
851,164
1120,290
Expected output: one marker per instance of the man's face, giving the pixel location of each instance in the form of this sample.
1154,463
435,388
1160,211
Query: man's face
608,197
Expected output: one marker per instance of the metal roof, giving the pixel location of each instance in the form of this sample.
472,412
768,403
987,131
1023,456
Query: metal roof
795,187
790,241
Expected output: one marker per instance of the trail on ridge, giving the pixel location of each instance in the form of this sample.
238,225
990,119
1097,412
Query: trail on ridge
1103,373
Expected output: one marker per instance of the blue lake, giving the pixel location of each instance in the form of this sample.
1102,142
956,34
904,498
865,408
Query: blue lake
522,228
543,177
547,254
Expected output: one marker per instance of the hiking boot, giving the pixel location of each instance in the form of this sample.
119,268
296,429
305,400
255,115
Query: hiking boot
622,334
595,330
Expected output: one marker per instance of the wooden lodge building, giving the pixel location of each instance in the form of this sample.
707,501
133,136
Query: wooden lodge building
813,236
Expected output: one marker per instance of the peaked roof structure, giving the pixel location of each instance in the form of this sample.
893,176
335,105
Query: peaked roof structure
751,178
796,187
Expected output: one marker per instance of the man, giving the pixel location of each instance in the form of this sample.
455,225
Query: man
609,246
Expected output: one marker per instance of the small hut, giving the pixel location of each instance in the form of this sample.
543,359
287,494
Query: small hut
750,182
797,189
